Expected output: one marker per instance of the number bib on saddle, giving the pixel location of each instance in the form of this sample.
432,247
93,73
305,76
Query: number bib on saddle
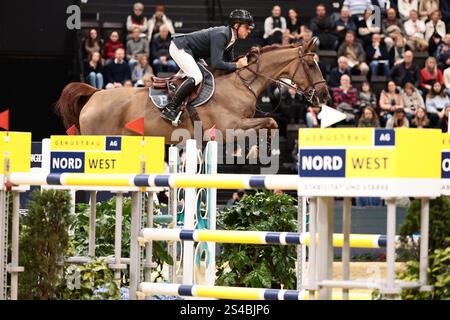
106,154
369,162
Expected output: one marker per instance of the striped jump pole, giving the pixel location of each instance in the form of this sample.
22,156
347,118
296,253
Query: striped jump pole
256,237
234,293
181,180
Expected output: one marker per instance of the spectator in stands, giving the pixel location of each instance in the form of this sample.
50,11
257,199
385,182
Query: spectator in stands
429,75
307,35
398,120
344,23
366,98
293,107
137,20
366,28
405,7
412,100
377,55
444,6
117,71
436,102
236,197
160,52
156,21
446,76
391,28
415,32
357,7
384,5
294,27
92,44
435,25
334,78
420,120
355,54
369,118
344,98
406,71
427,7
443,53
136,46
443,122
323,27
128,84
94,70
390,100
111,46
397,53
274,27
141,69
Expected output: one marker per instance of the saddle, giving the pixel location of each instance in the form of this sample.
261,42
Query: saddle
164,88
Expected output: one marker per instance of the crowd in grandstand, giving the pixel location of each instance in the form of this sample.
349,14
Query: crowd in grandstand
413,96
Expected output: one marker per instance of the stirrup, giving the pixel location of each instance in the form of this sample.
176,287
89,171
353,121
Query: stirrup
177,120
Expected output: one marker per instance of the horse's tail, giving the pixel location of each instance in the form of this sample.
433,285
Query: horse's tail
73,98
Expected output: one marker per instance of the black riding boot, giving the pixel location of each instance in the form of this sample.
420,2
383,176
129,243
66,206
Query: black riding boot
171,110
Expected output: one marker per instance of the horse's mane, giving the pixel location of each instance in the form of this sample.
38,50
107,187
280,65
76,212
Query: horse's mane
274,47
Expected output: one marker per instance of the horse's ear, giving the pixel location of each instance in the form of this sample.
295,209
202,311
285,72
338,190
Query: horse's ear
312,44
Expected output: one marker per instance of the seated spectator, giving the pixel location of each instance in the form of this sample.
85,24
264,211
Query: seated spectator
92,44
322,26
390,100
415,32
136,46
427,7
405,7
294,26
94,70
141,69
429,75
146,81
397,53
128,84
365,97
306,36
366,27
406,71
137,20
443,53
156,21
444,6
443,122
274,27
355,54
420,120
160,52
392,28
435,25
369,118
117,71
334,78
236,197
412,100
447,81
344,98
436,102
344,23
398,120
293,107
111,46
376,56
357,7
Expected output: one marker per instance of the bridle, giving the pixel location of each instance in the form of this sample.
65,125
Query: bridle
309,93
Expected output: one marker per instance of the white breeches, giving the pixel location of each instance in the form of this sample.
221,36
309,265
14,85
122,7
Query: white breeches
186,63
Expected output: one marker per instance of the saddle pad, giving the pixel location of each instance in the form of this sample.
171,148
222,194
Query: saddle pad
160,99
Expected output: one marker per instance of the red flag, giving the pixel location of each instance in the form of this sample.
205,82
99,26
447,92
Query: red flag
4,120
136,126
72,131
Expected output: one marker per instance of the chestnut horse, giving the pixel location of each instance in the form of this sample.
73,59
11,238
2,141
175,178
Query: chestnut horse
233,105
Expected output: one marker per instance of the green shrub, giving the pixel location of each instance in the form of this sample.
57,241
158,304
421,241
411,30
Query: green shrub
258,265
43,242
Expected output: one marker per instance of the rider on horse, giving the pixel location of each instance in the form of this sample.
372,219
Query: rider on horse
216,43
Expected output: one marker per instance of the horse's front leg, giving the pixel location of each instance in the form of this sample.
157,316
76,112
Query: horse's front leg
254,126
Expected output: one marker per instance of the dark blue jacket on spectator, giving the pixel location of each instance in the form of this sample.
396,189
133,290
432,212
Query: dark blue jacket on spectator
401,75
117,72
334,78
160,47
370,51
